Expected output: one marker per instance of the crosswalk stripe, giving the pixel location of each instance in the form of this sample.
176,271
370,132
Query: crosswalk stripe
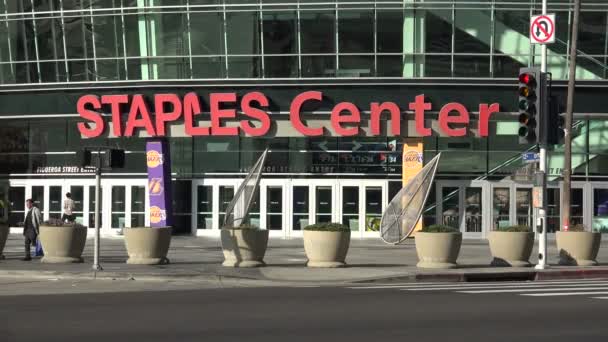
475,285
599,297
534,290
565,294
500,286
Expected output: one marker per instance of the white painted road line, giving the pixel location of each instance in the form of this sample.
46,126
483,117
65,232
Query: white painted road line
430,286
499,286
599,297
535,290
565,294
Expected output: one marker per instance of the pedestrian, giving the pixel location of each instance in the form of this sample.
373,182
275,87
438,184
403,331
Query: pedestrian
68,209
30,227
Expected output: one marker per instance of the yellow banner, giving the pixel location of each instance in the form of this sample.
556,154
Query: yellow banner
412,163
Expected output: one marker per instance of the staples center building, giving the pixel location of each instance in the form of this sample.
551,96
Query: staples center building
350,97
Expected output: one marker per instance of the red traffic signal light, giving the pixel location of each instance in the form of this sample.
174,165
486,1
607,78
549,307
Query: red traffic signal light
527,79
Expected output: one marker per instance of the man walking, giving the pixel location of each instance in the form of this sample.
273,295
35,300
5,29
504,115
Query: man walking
68,209
30,227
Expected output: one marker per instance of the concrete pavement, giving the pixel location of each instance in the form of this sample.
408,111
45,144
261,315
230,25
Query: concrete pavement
370,260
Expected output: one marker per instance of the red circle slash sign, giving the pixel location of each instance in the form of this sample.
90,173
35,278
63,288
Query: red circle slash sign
542,24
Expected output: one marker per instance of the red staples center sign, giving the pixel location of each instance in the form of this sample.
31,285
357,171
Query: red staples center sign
345,116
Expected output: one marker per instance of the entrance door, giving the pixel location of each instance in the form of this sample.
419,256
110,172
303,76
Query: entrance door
362,203
460,205
273,208
210,198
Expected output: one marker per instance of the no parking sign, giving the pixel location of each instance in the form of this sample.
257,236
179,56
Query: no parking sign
542,29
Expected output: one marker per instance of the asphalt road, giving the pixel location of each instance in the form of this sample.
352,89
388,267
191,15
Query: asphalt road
299,314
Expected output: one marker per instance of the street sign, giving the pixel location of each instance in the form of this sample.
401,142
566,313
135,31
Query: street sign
530,157
542,29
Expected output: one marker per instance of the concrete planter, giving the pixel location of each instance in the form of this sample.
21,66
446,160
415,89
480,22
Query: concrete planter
511,248
147,246
438,250
326,249
62,244
4,231
578,248
244,247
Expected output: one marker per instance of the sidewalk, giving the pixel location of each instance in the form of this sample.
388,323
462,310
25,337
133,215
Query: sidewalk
369,260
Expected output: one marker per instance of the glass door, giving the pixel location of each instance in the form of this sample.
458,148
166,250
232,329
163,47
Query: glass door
350,207
501,207
361,205
16,199
37,197
324,202
300,206
118,207
600,210
77,192
204,206
523,207
460,204
274,207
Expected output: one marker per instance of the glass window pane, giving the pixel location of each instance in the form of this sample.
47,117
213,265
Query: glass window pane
523,207
244,67
350,207
38,197
55,201
469,38
281,67
473,210
92,206
438,31
501,210
206,33
390,66
243,33
16,198
318,32
451,200
138,199
324,203
280,30
553,210
274,207
390,31
356,66
373,208
318,66
300,207
355,31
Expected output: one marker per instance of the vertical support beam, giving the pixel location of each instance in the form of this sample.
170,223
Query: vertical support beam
143,41
413,40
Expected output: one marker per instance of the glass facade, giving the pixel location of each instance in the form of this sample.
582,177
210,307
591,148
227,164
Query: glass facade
48,41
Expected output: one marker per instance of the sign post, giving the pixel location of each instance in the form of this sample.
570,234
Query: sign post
542,31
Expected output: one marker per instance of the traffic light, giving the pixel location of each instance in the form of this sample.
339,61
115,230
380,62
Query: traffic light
115,158
555,123
530,91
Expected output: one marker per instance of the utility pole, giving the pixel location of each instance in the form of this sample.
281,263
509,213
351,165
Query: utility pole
542,167
567,171
96,265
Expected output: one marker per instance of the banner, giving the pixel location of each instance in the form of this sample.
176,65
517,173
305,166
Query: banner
413,149
159,183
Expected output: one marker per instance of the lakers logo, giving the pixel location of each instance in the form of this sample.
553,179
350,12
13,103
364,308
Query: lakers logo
157,215
156,186
154,159
412,159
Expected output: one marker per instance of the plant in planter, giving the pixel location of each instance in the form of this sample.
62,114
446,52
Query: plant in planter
438,246
511,246
147,245
62,242
326,244
578,247
244,246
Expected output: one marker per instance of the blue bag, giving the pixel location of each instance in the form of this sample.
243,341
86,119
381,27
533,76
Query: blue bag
39,251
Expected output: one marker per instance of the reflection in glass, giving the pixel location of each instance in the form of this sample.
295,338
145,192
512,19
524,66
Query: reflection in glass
500,209
350,207
38,197
138,206
55,202
78,198
451,214
16,198
226,195
553,210
118,207
300,207
576,206
92,206
600,210
373,208
523,204
274,208
473,210
204,207
324,204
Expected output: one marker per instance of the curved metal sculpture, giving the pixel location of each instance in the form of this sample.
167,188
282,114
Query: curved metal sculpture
237,210
405,209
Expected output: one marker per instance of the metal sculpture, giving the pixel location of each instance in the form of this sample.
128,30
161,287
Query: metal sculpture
237,211
405,209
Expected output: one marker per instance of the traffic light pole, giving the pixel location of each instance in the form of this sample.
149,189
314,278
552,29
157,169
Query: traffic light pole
567,172
542,212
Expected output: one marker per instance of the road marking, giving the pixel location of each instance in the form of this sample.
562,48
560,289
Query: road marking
564,294
534,290
599,297
498,286
445,285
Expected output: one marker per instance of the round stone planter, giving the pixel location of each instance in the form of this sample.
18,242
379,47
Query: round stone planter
511,248
147,246
438,250
578,248
244,247
326,249
4,230
62,244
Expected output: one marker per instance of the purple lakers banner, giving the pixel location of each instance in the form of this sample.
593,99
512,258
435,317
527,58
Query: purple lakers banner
159,183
